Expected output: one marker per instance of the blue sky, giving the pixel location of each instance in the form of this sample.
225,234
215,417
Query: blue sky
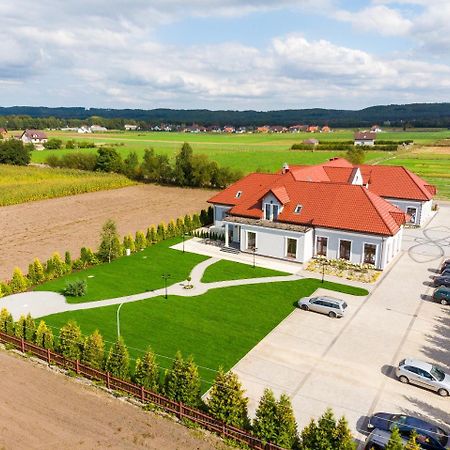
227,54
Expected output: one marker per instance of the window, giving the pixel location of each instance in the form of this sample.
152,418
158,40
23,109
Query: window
251,240
370,252
297,209
345,249
271,211
413,213
238,194
275,209
291,248
267,211
322,243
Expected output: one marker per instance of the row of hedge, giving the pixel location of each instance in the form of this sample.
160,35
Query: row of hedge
226,401
56,266
343,147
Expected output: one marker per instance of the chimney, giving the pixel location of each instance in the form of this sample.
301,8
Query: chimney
285,168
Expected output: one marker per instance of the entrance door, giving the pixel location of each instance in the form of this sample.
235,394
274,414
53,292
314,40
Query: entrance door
345,249
291,248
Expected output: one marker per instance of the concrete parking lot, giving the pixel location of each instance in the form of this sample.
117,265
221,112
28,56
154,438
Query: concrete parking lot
348,364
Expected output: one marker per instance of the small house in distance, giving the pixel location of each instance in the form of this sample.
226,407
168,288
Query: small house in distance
130,127
35,137
365,138
312,142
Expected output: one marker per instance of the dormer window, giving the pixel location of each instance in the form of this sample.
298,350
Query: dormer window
238,194
271,211
298,209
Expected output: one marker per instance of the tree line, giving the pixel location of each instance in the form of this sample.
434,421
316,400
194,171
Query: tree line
188,169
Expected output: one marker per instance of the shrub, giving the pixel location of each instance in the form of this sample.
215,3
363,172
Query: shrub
161,232
118,361
53,144
88,257
13,151
68,259
4,289
109,160
94,350
70,340
44,336
25,328
56,267
151,236
128,243
6,322
18,282
147,371
140,241
76,288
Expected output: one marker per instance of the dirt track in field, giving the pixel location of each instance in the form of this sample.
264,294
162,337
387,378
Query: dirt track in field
41,409
37,229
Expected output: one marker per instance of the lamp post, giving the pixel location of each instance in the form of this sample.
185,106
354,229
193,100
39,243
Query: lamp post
183,237
323,270
165,277
118,320
254,257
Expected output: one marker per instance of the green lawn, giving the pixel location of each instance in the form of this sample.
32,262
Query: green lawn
217,328
133,274
229,270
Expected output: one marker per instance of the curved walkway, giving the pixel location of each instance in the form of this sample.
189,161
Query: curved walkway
43,303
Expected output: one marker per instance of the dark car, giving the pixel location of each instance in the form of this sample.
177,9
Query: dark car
445,265
442,295
445,272
442,280
429,436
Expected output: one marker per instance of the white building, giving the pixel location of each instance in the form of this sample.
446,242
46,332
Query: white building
34,137
335,210
365,138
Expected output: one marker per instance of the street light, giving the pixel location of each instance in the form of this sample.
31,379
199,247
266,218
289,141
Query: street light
118,320
165,277
254,258
323,269
183,236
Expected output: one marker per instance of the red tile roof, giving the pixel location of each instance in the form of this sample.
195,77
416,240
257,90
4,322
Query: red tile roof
365,136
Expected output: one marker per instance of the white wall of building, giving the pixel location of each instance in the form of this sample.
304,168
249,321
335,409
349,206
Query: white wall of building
219,214
423,208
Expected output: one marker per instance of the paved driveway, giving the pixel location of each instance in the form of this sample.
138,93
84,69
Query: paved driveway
348,363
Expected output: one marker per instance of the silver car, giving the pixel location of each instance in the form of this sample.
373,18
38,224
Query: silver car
424,374
330,306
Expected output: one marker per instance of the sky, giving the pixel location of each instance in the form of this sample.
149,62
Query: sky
224,54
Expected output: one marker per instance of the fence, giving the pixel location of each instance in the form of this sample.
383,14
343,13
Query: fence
170,406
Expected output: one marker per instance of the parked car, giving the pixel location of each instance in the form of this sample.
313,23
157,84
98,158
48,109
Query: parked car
333,307
424,374
444,265
429,436
442,280
445,272
378,439
442,295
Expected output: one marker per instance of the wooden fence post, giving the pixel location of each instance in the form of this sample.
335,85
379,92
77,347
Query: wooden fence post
142,394
77,367
48,356
22,345
107,380
180,405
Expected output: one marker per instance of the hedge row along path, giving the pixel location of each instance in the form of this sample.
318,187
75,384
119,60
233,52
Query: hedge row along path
44,303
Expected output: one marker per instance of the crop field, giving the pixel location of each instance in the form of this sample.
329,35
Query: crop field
24,184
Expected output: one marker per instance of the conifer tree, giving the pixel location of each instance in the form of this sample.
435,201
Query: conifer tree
94,350
68,259
180,226
412,443
171,229
196,221
128,242
395,441
39,271
44,336
118,361
182,382
188,223
287,435
227,401
140,241
70,340
265,423
19,327
343,439
4,289
151,236
87,257
18,282
31,275
161,232
30,328
147,371
6,322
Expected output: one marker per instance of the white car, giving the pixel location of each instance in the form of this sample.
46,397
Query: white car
332,307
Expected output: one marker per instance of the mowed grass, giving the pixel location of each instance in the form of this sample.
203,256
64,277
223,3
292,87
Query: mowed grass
139,272
217,328
433,167
228,270
24,184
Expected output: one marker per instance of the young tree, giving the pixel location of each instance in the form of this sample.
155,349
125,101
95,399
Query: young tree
68,259
287,435
161,232
171,229
19,327
188,223
108,160
395,441
128,242
70,340
183,172
140,241
355,155
56,267
44,336
182,381
265,423
109,248
147,371
151,236
118,361
180,226
30,328
94,350
227,401
131,166
343,439
412,443
18,282
6,322
196,221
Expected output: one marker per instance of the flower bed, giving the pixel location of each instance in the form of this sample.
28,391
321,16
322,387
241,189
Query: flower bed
366,273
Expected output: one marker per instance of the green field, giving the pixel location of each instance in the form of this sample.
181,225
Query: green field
217,328
24,184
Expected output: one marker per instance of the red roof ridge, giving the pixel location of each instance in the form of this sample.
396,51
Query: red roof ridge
422,188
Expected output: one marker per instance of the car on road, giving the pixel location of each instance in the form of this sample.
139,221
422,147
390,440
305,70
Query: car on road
332,307
442,295
429,436
442,280
424,374
378,440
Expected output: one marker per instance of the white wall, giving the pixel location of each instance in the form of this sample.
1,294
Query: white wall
219,214
423,208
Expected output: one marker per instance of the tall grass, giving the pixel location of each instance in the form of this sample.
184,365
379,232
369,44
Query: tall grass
24,184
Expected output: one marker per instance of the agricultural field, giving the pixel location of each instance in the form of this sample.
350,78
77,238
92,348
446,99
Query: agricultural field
24,184
218,328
